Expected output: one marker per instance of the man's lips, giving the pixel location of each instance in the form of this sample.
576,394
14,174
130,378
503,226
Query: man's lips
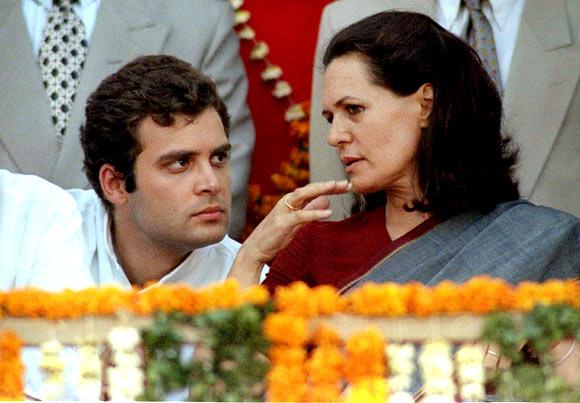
210,213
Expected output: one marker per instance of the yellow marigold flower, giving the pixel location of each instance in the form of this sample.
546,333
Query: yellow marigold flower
297,298
326,336
288,329
553,292
365,355
289,356
286,384
325,365
572,288
368,390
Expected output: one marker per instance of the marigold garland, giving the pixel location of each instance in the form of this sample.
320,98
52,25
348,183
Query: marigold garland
365,356
298,373
11,367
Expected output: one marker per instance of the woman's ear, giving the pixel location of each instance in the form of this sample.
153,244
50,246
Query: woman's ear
425,94
113,185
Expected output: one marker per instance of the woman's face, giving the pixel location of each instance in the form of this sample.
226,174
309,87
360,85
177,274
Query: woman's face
375,131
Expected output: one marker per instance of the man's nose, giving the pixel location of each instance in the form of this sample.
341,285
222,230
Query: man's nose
207,180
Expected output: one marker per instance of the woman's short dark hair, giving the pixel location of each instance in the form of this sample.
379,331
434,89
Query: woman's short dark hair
156,86
463,161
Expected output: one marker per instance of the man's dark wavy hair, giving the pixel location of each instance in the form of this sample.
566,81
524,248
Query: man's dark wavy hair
156,86
464,163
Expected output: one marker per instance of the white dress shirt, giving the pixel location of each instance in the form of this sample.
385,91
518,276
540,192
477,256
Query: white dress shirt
36,12
41,240
203,266
504,17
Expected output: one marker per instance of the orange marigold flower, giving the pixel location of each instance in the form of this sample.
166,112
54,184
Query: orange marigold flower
379,299
326,336
324,393
286,384
297,298
290,356
527,294
299,128
11,367
483,294
300,157
328,300
257,295
288,329
365,355
445,297
283,183
325,365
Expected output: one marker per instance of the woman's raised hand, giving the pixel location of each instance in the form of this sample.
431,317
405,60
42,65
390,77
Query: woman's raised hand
274,233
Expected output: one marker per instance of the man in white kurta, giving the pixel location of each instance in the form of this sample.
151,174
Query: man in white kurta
203,266
41,242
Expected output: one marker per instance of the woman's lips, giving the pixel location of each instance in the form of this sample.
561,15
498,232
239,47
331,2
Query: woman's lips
350,163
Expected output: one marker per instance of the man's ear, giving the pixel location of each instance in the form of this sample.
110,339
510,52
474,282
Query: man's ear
425,94
113,185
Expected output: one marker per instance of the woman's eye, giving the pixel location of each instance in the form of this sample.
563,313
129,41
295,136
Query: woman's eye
353,109
328,118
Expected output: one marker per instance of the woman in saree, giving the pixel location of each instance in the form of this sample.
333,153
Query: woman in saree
417,123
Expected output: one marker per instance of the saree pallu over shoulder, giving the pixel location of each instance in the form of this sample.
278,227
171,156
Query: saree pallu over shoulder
518,241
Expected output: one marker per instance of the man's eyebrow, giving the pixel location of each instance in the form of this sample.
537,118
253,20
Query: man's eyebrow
188,154
176,155
226,148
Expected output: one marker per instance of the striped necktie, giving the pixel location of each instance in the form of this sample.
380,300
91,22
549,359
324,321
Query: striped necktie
62,53
480,37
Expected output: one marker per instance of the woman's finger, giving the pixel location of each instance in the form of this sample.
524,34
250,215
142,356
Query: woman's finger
301,196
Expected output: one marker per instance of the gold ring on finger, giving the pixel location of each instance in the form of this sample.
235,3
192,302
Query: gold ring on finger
290,206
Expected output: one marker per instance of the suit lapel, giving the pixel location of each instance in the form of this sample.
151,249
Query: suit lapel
538,96
24,108
124,30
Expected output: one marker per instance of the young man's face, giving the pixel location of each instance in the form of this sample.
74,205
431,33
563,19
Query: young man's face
183,194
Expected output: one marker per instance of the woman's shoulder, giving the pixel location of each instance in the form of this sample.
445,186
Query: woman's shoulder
527,213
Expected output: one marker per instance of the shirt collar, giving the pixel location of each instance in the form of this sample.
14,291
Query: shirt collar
47,4
500,10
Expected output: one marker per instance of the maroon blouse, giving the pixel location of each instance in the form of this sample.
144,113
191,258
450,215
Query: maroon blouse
337,253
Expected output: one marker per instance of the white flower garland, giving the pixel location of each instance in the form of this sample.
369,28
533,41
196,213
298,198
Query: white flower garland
260,50
89,381
126,377
471,372
401,368
437,370
52,366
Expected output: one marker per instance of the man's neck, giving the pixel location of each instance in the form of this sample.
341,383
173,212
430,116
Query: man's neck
143,261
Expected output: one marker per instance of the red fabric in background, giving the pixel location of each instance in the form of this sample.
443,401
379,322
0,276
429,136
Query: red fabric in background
290,29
